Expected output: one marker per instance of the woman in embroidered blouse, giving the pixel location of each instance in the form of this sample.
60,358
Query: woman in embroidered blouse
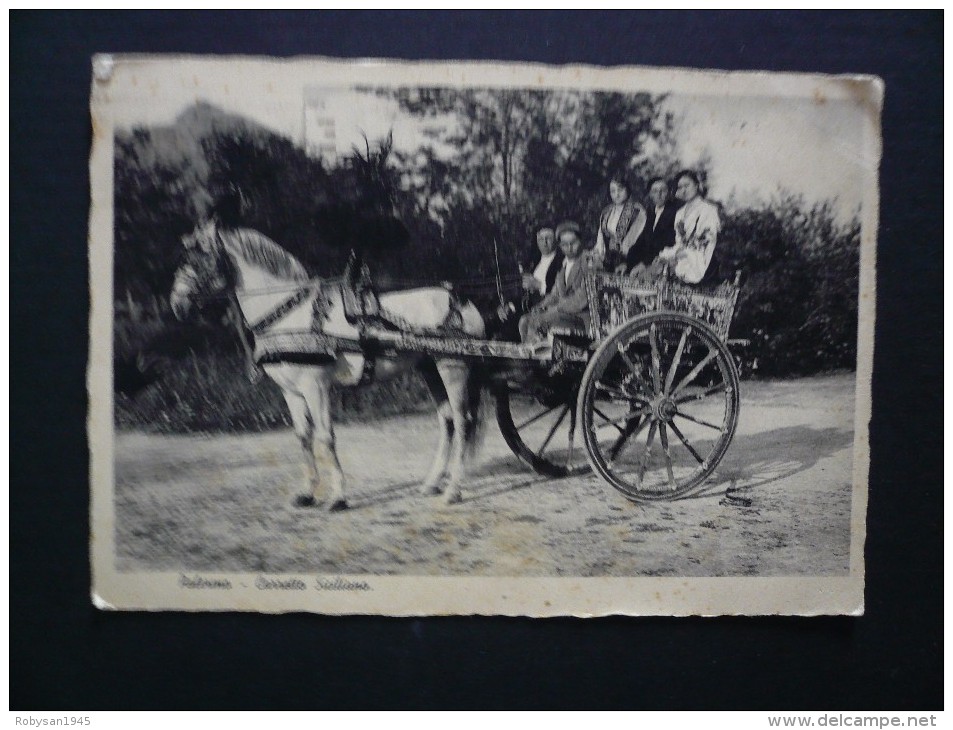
620,224
696,231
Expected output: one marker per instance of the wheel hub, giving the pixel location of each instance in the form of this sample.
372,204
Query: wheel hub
664,409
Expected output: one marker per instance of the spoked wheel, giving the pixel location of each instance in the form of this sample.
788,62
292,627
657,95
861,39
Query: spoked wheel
538,422
659,405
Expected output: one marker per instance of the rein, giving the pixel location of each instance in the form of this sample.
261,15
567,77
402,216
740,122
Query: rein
476,284
301,291
293,288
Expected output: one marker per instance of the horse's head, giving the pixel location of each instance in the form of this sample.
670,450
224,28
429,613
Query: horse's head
205,271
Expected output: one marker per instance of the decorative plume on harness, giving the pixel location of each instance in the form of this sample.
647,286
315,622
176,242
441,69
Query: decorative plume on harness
362,305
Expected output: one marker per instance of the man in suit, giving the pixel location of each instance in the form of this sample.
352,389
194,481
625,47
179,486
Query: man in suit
659,231
697,224
544,264
567,304
539,270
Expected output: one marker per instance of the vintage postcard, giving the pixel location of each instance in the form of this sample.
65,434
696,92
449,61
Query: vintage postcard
374,337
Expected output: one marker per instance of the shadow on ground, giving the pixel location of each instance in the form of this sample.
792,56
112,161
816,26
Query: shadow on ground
752,461
759,459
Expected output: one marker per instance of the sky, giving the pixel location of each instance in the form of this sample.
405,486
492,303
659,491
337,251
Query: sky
352,115
760,144
757,146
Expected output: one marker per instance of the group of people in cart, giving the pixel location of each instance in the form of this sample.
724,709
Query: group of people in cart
664,237
668,236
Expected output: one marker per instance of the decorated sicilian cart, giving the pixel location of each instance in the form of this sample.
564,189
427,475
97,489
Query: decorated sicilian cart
647,396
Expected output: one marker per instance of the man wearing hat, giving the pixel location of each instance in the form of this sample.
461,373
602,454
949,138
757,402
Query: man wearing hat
566,305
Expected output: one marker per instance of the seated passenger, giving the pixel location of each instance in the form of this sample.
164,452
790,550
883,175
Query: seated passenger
539,271
567,304
620,225
659,231
544,263
696,233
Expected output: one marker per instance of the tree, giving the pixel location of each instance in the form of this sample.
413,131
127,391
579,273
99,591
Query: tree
504,162
156,200
798,303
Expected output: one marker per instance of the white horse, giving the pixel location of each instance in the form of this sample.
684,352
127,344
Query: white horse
276,295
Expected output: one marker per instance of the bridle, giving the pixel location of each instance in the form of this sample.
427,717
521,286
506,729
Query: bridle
204,262
202,266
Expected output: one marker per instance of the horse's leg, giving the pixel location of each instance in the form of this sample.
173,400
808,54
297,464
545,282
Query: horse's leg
303,430
441,458
431,484
317,394
455,376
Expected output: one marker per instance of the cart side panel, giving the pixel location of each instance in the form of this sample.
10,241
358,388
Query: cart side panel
715,306
615,299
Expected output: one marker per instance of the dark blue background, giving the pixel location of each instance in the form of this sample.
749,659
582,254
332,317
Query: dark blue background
66,654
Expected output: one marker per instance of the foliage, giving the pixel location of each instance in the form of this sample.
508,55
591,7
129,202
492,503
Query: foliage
798,303
156,202
207,389
494,165
507,162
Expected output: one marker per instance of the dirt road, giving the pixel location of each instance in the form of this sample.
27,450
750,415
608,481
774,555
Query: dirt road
223,503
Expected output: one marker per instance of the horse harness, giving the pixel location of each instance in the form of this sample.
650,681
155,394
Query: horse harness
280,311
362,308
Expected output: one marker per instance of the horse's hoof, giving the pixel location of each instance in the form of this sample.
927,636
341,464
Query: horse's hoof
431,490
304,500
453,498
337,505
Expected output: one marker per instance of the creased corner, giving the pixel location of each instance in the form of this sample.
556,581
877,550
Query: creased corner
101,603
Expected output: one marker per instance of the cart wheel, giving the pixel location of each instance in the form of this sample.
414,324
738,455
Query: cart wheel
659,405
538,423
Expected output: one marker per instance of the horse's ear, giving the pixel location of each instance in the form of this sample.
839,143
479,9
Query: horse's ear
203,237
192,240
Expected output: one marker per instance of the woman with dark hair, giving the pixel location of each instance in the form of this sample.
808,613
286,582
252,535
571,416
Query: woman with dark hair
659,231
696,231
620,224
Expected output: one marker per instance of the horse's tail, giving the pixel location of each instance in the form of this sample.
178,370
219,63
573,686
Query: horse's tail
478,380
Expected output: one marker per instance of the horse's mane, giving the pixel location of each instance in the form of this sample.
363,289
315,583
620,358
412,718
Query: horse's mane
261,251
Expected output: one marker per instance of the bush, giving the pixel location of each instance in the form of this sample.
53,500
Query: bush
199,382
798,302
211,392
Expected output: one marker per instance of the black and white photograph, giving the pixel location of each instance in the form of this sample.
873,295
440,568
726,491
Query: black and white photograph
411,339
